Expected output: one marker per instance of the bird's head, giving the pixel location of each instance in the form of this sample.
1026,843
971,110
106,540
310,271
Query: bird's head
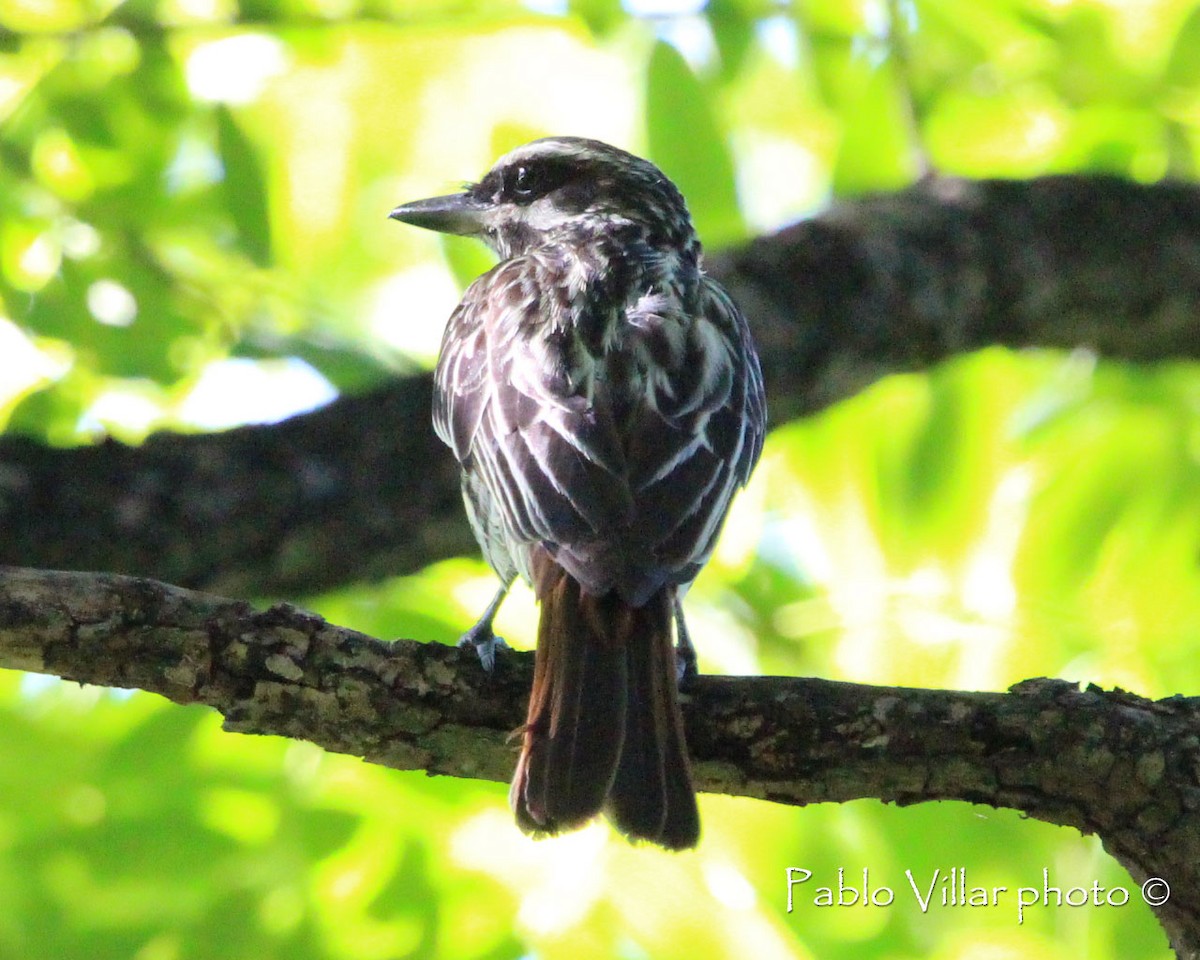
560,188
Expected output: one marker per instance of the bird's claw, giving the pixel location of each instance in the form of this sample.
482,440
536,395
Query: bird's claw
685,665
485,643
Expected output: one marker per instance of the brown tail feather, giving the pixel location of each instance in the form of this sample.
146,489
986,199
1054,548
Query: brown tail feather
604,731
652,797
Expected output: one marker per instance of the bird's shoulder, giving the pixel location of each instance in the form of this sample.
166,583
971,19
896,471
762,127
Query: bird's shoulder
720,310
513,346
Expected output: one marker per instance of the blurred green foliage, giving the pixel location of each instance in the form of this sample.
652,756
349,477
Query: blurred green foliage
188,187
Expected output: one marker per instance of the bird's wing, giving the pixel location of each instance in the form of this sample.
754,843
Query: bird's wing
623,466
699,437
505,404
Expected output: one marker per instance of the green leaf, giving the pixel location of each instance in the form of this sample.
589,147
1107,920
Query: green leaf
601,16
50,413
150,750
1183,68
734,35
323,832
245,190
350,370
876,151
686,141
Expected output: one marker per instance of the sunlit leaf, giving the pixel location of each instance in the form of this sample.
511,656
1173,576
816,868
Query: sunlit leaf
245,190
687,143
733,32
1006,515
1183,67
877,150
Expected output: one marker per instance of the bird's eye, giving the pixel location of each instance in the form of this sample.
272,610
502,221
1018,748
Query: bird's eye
523,182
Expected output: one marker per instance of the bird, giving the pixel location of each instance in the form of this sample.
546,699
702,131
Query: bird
604,400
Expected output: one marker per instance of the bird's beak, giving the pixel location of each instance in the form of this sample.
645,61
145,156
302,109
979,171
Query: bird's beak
457,213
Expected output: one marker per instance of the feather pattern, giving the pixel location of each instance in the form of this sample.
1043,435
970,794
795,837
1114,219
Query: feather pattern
621,454
605,402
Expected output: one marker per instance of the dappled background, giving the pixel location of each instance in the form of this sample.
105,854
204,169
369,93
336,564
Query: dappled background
193,235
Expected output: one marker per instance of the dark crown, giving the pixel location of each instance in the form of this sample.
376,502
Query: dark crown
578,182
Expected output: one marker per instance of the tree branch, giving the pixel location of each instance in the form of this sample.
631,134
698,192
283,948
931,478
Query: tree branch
901,281
362,489
1108,763
358,490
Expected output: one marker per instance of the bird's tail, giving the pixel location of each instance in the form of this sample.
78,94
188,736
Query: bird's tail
604,731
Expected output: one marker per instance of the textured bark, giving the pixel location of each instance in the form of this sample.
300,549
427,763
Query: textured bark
362,489
1103,762
902,281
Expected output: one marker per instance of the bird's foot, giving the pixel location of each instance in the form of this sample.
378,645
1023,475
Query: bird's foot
485,642
685,653
685,664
